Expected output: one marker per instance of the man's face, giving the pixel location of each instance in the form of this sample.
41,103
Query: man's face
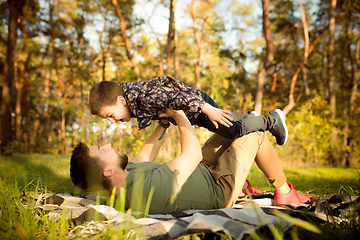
107,154
118,112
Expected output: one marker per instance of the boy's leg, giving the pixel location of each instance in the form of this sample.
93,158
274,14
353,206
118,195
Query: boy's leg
242,124
239,128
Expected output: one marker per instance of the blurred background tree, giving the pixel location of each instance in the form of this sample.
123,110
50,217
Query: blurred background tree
300,56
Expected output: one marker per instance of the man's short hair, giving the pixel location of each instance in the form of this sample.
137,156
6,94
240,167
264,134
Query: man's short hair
86,171
103,94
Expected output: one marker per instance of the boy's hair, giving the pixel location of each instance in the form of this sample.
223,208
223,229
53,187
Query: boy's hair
103,94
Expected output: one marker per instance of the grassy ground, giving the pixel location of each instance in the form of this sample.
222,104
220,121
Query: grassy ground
24,175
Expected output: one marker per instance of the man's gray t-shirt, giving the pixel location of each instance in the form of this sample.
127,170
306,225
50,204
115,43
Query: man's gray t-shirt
200,191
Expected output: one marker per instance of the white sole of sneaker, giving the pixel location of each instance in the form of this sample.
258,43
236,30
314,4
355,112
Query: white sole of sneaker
255,113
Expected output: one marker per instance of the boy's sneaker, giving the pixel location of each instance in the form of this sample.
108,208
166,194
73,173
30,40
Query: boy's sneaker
279,129
252,114
292,197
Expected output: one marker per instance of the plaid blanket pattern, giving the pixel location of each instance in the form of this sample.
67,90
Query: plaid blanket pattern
234,222
243,218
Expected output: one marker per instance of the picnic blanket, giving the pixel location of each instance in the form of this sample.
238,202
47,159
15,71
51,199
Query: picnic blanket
246,216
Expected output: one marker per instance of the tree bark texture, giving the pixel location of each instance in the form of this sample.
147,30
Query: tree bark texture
170,49
198,44
332,94
263,72
291,103
15,7
130,56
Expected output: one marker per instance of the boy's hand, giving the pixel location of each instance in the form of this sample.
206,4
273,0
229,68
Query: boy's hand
217,115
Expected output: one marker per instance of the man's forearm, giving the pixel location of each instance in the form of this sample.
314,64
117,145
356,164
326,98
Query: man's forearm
188,139
151,147
184,165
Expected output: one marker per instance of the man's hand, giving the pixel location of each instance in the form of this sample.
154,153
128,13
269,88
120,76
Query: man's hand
217,115
169,113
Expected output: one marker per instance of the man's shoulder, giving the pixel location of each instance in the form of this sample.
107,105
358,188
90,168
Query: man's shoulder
143,165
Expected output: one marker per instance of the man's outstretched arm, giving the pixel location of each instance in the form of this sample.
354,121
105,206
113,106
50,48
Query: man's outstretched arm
184,165
151,147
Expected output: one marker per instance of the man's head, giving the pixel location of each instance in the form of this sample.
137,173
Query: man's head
107,100
97,167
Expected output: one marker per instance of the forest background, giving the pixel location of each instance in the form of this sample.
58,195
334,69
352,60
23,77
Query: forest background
300,56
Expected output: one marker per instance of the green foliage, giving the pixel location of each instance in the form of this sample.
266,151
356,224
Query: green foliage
310,129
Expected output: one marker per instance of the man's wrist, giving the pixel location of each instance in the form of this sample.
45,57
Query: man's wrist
164,125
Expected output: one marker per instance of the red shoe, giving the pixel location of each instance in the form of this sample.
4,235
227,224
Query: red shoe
251,190
292,197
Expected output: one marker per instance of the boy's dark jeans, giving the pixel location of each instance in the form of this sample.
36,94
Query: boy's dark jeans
243,123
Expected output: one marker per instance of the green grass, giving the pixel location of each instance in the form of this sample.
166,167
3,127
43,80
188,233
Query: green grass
24,175
316,182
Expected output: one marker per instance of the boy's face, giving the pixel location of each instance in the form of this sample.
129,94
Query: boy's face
118,112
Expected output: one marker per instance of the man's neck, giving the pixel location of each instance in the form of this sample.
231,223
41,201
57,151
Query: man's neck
118,181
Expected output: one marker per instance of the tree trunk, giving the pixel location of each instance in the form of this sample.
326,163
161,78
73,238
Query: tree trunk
27,126
306,50
198,44
45,137
176,56
60,92
354,92
260,89
161,50
62,128
20,82
351,121
170,49
332,95
268,60
52,33
83,102
103,54
6,130
161,68
291,103
130,56
22,112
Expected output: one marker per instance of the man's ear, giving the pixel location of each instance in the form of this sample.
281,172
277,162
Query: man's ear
108,172
122,100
